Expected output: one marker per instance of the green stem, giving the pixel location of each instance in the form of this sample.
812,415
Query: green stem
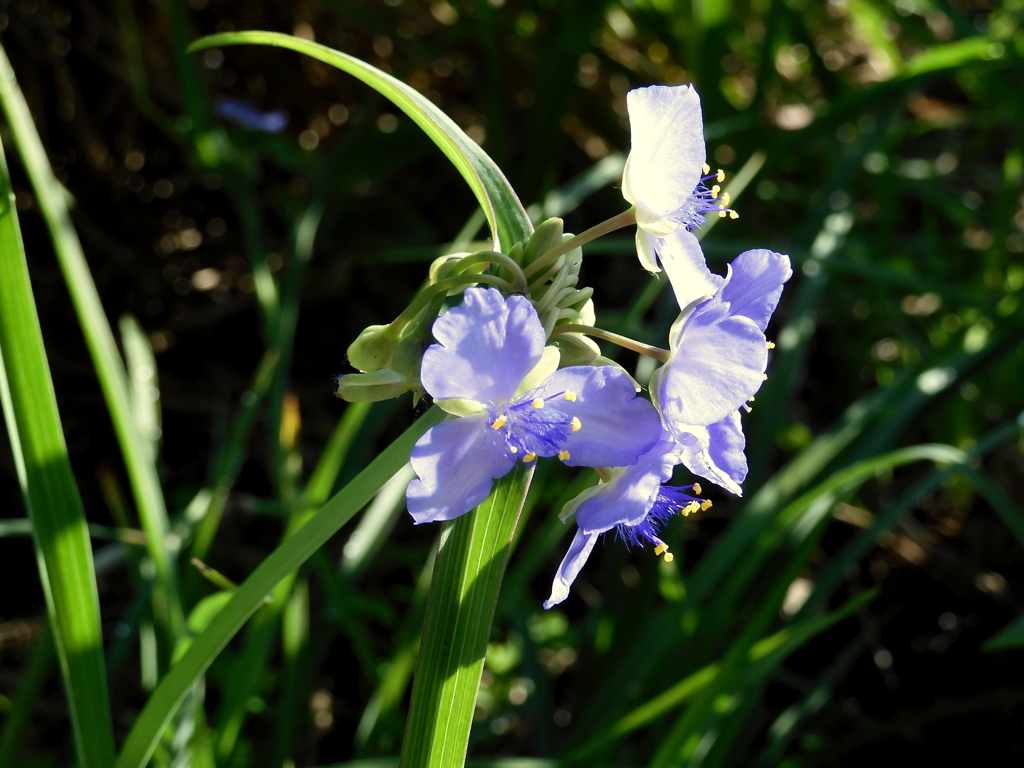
518,277
623,341
624,219
471,559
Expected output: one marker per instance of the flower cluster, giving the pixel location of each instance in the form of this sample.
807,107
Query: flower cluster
513,364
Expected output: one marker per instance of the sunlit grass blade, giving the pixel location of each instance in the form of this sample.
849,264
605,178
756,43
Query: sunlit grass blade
509,222
279,565
99,338
63,549
467,577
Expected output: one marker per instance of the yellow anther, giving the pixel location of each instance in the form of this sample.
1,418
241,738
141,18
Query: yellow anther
513,449
722,214
770,344
563,455
576,425
529,457
570,396
733,215
705,505
750,399
726,199
720,177
669,557
715,190
538,403
764,377
660,550
690,508
706,169
499,422
696,489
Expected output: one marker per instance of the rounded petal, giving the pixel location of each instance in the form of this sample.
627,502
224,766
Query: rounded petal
580,549
615,426
486,346
755,284
456,463
666,152
683,260
627,498
716,453
718,366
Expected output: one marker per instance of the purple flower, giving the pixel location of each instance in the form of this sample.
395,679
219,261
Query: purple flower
635,502
490,367
666,175
719,354
248,116
718,362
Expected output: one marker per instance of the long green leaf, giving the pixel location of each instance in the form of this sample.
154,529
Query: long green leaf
48,484
471,559
505,214
279,565
99,338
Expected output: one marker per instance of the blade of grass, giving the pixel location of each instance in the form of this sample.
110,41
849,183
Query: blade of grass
279,565
470,564
61,537
509,222
99,339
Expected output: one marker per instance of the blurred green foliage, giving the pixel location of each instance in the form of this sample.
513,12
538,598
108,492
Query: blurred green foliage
834,615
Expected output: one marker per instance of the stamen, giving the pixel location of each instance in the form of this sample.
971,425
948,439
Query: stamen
706,169
689,509
570,396
696,489
770,344
715,190
764,377
726,199
750,399
720,176
529,457
499,422
538,403
733,215
563,455
747,408
705,505
669,557
576,425
513,449
660,550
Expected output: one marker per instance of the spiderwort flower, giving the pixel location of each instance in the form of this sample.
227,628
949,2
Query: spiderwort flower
666,174
718,361
490,367
635,502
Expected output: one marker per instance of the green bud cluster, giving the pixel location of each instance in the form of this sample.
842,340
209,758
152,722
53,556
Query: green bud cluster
543,267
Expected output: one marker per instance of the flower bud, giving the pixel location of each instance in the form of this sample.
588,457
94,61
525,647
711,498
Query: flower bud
373,387
373,348
548,235
576,349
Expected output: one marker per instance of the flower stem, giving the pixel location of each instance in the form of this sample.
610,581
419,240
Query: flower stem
624,219
518,277
623,341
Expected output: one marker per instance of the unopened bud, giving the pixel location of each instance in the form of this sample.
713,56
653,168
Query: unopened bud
373,387
548,235
576,349
373,348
